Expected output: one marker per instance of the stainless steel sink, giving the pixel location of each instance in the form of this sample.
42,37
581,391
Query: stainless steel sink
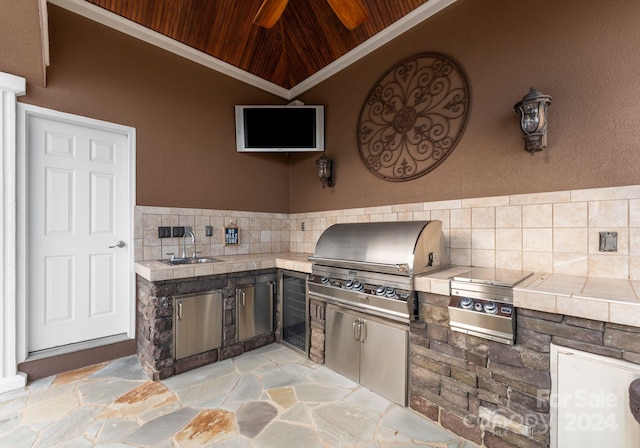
196,260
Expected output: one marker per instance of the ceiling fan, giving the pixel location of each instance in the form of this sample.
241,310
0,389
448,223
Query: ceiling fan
350,12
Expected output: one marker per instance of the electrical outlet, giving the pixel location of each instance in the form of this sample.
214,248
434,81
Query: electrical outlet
178,232
208,230
608,241
164,232
302,226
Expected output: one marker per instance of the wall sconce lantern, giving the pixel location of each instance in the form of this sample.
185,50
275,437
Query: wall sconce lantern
533,119
325,171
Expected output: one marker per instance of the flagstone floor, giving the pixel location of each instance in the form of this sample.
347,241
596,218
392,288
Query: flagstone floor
270,397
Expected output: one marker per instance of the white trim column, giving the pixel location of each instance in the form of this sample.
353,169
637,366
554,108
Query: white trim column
10,88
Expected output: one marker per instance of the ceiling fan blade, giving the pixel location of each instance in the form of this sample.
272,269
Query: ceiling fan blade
269,12
350,12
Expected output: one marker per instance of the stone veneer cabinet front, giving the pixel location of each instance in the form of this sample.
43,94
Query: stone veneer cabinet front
155,332
463,381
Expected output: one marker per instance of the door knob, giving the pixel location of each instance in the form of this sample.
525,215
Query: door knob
120,244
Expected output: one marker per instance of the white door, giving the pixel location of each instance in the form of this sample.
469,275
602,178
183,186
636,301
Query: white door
590,401
79,231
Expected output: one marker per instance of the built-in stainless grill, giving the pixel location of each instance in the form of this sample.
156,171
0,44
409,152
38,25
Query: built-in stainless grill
482,303
365,272
372,265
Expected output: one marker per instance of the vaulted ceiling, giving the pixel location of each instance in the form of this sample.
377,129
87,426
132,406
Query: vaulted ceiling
307,39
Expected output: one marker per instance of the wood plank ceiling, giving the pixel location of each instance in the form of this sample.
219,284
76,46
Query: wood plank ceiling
307,37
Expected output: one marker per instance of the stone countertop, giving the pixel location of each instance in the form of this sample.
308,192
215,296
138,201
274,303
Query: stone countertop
155,270
603,299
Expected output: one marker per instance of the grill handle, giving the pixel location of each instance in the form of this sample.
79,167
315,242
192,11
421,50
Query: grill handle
381,267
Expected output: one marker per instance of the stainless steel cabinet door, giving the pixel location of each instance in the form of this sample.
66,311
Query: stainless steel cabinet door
342,349
197,323
383,359
254,310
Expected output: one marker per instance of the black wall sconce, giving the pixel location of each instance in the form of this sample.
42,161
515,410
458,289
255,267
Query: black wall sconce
325,171
533,119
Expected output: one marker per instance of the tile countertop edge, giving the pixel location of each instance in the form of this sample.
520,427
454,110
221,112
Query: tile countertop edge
155,270
558,294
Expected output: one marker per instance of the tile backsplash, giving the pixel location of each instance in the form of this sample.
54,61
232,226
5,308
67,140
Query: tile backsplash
544,232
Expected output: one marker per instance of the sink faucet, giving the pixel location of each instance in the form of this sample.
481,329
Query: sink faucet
184,245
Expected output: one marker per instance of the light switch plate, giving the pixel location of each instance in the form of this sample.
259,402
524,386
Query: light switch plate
608,241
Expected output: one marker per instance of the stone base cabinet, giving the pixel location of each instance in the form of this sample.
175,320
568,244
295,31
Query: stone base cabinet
155,332
495,394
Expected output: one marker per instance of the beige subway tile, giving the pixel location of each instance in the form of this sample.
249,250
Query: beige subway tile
537,261
138,254
604,194
540,198
460,257
443,217
483,239
509,259
609,213
460,238
634,268
170,220
137,223
634,212
152,252
422,216
609,266
588,309
572,214
570,240
494,201
538,240
186,211
442,205
151,222
145,209
460,218
150,238
509,239
483,218
405,216
537,215
535,301
573,264
624,313
509,216
483,258
399,208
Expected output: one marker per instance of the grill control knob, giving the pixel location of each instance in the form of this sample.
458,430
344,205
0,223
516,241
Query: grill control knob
466,303
491,308
389,292
325,280
357,286
404,295
349,284
380,290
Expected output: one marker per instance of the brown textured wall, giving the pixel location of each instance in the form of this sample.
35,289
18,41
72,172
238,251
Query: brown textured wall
583,53
20,40
183,114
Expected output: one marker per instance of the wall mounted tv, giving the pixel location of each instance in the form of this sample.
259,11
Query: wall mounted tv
279,128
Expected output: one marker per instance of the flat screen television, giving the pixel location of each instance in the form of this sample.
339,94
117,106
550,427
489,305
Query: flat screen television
279,128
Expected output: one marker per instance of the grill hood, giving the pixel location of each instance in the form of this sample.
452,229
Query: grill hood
406,248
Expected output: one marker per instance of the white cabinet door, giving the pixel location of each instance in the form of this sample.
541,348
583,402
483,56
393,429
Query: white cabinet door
79,207
590,401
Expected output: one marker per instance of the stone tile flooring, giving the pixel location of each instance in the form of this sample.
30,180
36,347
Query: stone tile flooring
270,397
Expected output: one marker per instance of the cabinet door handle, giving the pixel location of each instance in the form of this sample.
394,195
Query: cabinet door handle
243,296
363,330
356,336
179,310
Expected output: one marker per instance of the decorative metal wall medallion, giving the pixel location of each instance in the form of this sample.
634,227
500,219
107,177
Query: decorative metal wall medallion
413,117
